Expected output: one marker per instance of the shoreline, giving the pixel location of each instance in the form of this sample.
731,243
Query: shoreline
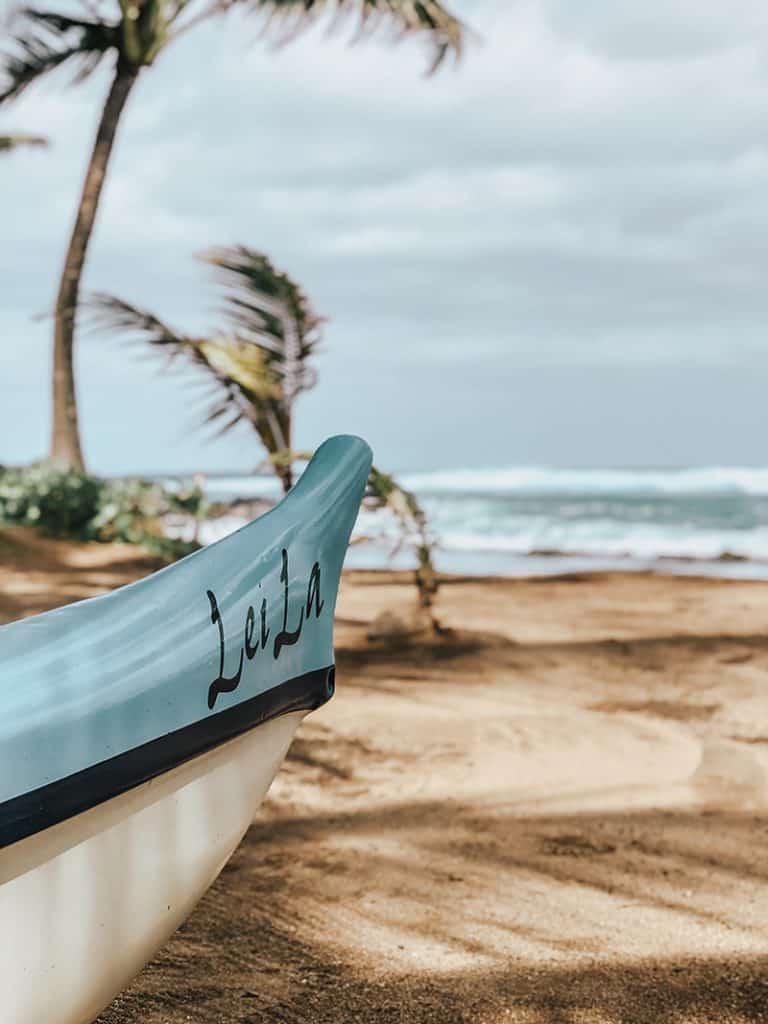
504,565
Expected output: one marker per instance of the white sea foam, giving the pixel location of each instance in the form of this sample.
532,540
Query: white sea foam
547,480
502,520
627,542
634,543
750,480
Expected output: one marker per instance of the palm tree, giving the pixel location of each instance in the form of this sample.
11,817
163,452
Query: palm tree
256,368
258,365
9,142
129,35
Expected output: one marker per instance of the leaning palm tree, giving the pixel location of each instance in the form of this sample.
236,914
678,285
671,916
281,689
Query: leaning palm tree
80,35
255,368
257,365
9,142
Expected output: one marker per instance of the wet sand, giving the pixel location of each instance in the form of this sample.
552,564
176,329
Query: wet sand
557,813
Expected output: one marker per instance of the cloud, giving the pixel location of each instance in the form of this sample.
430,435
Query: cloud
656,32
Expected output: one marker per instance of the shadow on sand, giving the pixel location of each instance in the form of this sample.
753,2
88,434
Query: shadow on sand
275,939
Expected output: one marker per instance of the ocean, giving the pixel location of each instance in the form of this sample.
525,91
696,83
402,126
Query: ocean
531,520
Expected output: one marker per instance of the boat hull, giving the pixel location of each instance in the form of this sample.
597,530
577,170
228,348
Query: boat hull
92,898
139,731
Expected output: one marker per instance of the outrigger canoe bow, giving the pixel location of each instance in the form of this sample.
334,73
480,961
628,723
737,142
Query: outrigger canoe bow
140,730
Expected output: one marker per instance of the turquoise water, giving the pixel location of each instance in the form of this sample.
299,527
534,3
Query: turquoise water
708,520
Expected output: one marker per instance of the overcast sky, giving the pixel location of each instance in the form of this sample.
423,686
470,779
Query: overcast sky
556,252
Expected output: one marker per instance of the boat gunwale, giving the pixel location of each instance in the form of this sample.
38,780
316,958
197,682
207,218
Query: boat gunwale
33,812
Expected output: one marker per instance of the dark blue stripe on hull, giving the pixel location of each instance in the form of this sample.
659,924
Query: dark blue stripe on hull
32,812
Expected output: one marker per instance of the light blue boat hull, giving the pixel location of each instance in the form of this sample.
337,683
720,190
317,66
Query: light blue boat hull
159,692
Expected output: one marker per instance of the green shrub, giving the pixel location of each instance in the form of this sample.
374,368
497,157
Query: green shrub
129,511
58,500
61,502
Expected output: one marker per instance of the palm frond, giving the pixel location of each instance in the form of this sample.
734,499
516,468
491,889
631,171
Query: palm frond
429,20
267,309
9,142
107,313
245,365
383,491
258,365
44,41
241,386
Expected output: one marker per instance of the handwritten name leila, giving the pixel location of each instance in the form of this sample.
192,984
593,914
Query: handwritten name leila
255,637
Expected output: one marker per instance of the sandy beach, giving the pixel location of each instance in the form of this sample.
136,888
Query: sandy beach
555,813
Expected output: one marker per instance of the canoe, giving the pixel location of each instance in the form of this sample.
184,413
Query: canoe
140,730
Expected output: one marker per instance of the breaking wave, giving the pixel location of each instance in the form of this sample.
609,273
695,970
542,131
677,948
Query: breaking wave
544,480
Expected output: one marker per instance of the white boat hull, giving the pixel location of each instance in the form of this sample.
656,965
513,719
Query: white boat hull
94,897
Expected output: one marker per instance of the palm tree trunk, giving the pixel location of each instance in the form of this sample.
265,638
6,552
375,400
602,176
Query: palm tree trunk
277,443
286,476
65,438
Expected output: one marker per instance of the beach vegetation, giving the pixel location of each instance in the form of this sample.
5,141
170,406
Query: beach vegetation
384,492
64,502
